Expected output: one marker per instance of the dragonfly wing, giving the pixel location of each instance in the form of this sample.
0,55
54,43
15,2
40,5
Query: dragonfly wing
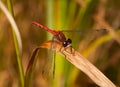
46,67
86,30
49,66
84,33
85,36
53,56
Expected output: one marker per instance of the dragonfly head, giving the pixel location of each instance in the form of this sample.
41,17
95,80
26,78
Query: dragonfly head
67,42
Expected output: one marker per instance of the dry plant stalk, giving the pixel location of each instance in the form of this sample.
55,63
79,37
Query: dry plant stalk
81,2
111,31
99,17
81,63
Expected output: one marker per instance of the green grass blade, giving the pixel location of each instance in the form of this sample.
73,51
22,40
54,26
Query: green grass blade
19,60
17,38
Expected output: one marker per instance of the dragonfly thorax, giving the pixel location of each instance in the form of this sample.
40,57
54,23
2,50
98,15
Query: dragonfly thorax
60,36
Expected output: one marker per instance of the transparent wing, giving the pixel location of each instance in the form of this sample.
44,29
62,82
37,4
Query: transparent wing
83,36
49,66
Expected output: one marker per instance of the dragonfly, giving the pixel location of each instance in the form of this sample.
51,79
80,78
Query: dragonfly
59,36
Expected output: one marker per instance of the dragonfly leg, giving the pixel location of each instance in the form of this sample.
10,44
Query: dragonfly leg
71,51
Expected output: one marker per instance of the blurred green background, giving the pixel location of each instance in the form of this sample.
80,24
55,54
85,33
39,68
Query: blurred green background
99,47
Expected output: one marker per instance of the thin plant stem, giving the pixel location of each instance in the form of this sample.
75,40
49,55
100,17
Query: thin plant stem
19,60
16,36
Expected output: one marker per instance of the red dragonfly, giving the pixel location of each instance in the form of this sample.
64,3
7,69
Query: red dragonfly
57,34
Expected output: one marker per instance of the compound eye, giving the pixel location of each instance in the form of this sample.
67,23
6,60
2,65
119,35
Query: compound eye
69,41
64,44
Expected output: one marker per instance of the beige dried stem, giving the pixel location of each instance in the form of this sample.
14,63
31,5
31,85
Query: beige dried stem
105,25
81,63
81,3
